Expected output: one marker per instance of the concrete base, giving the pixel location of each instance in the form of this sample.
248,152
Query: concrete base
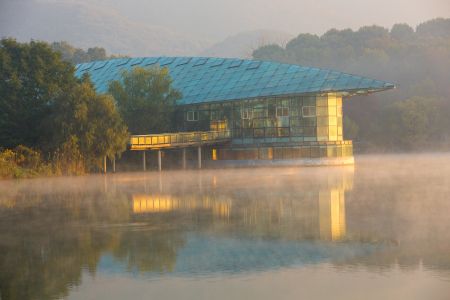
335,161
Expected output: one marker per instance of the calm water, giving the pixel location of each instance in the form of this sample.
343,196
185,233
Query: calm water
379,230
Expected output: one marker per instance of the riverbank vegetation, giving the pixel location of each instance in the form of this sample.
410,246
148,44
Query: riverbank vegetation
412,117
53,123
50,121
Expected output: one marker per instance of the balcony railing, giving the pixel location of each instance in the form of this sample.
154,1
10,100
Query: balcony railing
179,139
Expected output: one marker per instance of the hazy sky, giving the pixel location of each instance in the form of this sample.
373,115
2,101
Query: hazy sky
220,18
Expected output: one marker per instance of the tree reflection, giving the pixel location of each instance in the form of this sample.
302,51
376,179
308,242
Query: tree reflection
54,231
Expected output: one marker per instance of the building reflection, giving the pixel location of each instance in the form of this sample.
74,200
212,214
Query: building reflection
151,204
314,208
332,214
213,222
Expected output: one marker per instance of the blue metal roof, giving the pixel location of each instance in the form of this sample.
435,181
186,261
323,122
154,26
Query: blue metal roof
205,79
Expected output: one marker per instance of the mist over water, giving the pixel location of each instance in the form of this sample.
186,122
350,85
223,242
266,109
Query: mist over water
378,230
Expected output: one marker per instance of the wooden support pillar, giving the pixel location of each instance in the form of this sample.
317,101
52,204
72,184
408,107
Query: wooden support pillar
143,161
183,158
159,161
114,164
199,153
104,164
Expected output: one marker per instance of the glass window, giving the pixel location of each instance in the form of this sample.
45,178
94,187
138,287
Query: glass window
309,111
246,113
322,101
282,111
322,111
192,115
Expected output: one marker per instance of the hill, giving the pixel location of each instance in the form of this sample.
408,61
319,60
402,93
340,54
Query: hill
86,25
243,44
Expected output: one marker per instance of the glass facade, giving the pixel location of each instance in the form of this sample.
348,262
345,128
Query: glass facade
273,128
316,118
250,100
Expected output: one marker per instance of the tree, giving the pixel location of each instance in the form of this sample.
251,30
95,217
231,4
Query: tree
92,120
146,99
76,55
402,32
32,78
45,107
418,62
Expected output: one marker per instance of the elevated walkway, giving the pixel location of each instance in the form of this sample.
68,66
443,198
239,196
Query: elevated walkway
178,140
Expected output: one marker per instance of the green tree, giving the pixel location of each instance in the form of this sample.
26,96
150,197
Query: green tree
45,107
76,55
92,120
32,79
417,61
146,100
412,124
350,128
402,32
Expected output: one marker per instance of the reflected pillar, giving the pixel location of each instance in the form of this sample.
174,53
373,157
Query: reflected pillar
332,222
183,159
199,154
159,161
143,161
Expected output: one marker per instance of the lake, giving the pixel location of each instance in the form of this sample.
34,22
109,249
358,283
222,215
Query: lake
376,230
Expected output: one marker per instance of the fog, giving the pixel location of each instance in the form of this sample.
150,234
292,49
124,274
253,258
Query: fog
382,223
172,27
224,18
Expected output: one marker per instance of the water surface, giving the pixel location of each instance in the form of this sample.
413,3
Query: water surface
379,230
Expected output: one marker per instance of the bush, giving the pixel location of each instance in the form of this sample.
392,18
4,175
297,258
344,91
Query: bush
22,162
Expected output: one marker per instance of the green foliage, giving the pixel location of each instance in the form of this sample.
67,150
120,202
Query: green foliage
417,61
351,129
146,100
414,122
90,120
32,78
68,160
44,106
76,55
22,162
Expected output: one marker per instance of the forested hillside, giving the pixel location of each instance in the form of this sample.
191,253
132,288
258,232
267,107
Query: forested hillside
414,116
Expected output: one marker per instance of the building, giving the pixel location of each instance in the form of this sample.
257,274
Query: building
266,112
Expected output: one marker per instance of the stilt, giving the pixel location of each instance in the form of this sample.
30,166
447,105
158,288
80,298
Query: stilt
199,151
183,159
104,164
114,164
159,161
143,161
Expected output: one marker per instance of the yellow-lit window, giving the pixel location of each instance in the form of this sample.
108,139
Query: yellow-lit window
332,110
332,121
214,154
331,100
332,130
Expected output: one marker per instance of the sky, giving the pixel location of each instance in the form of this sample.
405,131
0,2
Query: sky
217,19
188,27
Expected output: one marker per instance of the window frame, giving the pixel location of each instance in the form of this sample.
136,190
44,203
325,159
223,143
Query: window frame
246,114
309,115
194,114
283,109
